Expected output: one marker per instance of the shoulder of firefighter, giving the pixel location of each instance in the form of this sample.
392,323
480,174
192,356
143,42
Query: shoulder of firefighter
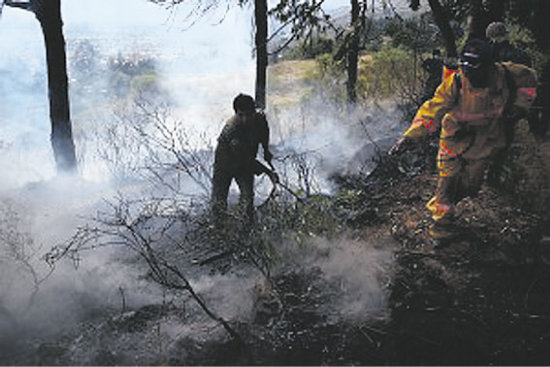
521,81
508,52
428,117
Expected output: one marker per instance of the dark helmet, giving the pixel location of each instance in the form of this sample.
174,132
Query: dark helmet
436,52
475,62
244,102
476,54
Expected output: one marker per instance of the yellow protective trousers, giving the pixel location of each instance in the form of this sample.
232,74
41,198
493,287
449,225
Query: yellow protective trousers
471,124
451,189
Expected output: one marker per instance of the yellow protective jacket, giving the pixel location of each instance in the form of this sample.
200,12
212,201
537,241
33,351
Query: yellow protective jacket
471,119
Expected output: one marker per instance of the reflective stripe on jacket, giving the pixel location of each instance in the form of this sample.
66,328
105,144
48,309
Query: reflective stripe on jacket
470,118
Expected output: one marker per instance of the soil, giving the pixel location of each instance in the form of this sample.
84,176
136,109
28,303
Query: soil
481,299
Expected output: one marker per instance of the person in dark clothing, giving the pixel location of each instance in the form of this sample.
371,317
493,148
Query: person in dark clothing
434,68
235,156
539,114
502,49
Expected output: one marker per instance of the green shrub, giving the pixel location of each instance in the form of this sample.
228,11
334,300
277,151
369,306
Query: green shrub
387,73
311,48
522,38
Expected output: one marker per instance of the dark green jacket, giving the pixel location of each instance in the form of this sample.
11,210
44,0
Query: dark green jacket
238,144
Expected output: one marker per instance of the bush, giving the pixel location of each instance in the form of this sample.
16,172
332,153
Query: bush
311,48
387,73
523,39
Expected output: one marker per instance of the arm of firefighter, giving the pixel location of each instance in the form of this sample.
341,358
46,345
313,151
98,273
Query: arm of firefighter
264,136
400,145
428,117
259,168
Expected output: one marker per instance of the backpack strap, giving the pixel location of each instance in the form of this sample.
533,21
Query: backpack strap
458,82
512,88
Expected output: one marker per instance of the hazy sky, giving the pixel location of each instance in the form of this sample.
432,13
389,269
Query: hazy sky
204,66
189,57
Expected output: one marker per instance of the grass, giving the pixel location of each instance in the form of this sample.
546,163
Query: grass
289,81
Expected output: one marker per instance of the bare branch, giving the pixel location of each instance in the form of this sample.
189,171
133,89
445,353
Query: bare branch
19,4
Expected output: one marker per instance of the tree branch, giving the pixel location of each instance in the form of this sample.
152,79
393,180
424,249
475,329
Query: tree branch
19,4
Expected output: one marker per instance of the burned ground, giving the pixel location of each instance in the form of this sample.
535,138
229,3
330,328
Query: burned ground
480,299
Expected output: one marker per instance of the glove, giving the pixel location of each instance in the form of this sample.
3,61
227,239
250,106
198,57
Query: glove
400,146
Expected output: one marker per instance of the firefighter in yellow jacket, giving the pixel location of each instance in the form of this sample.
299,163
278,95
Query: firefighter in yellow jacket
468,110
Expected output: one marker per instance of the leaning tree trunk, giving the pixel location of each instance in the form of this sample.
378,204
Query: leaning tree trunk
48,13
260,18
353,53
442,21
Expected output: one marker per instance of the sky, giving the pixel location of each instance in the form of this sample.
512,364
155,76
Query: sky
195,61
203,65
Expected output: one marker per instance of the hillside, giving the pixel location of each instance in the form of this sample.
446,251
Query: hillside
340,277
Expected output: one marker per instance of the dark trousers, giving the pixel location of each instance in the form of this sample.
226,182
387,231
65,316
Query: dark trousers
220,190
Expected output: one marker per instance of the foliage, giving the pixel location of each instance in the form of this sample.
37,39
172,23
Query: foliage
330,75
418,33
523,38
133,74
302,17
387,73
311,48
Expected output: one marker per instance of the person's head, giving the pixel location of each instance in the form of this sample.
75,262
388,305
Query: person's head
436,53
244,104
476,61
496,32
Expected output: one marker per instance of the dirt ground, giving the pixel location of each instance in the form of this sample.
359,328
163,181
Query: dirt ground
482,299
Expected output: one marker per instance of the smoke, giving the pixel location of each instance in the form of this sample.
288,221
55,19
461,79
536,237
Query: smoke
363,270
332,140
197,80
40,211
200,92
44,297
356,274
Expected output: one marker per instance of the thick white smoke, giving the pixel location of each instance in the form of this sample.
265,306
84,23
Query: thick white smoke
200,77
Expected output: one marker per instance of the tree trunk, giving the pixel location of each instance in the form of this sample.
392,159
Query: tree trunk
478,19
260,18
48,13
442,21
353,53
496,10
